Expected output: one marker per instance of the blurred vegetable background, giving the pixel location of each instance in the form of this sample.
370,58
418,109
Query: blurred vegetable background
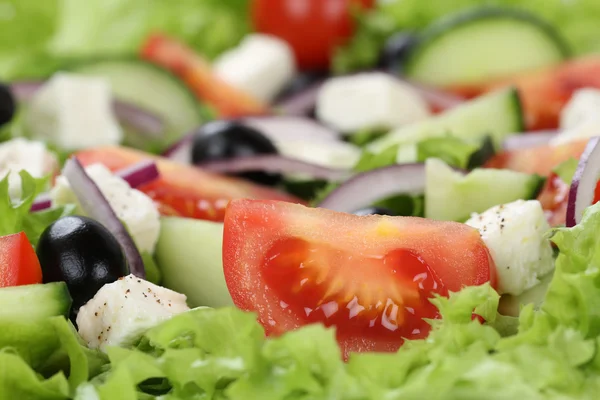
40,36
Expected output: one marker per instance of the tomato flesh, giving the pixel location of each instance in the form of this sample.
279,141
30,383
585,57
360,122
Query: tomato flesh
539,160
19,264
369,277
545,92
183,190
323,284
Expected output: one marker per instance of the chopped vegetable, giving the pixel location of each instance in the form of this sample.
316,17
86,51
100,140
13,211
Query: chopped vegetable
18,263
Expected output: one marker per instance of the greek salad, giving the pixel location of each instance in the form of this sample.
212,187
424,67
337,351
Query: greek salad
320,199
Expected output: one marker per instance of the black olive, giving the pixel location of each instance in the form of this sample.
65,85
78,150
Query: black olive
374,211
221,140
7,105
84,254
301,82
396,50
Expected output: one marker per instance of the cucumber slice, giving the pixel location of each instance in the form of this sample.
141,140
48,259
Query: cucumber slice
152,88
483,44
452,196
496,115
188,254
34,302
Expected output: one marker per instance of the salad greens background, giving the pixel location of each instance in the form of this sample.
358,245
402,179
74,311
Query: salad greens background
38,37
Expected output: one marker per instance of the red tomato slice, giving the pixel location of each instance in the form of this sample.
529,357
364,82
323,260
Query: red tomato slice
313,28
183,190
370,277
19,264
545,92
227,100
539,160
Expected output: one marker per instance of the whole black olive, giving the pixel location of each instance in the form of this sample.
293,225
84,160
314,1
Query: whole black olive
7,105
396,51
83,253
374,211
221,140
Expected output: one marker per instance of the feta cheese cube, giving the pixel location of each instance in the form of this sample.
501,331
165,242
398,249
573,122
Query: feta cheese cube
515,235
372,100
124,310
21,154
261,65
131,206
74,112
580,118
584,105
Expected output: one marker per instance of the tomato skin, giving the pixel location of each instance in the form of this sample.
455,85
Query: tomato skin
539,160
545,92
173,55
19,264
313,28
268,245
183,190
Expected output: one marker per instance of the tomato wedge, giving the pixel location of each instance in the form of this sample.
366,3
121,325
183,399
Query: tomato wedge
196,72
539,160
183,190
545,92
370,277
19,264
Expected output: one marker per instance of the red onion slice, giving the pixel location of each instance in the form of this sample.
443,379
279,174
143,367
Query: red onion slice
275,164
97,207
301,103
583,186
278,129
181,151
292,128
139,173
136,175
142,121
368,187
529,139
42,202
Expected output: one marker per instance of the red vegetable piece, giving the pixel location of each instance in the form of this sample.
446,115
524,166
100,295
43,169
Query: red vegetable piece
19,264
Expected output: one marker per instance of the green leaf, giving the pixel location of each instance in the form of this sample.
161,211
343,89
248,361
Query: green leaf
566,169
454,151
15,214
38,39
369,160
19,381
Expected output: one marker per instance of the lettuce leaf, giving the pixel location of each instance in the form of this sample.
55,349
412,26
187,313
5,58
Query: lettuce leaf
453,151
40,37
576,20
15,214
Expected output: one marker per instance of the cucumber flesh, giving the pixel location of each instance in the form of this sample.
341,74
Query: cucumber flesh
151,88
34,302
188,253
483,44
452,196
497,115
